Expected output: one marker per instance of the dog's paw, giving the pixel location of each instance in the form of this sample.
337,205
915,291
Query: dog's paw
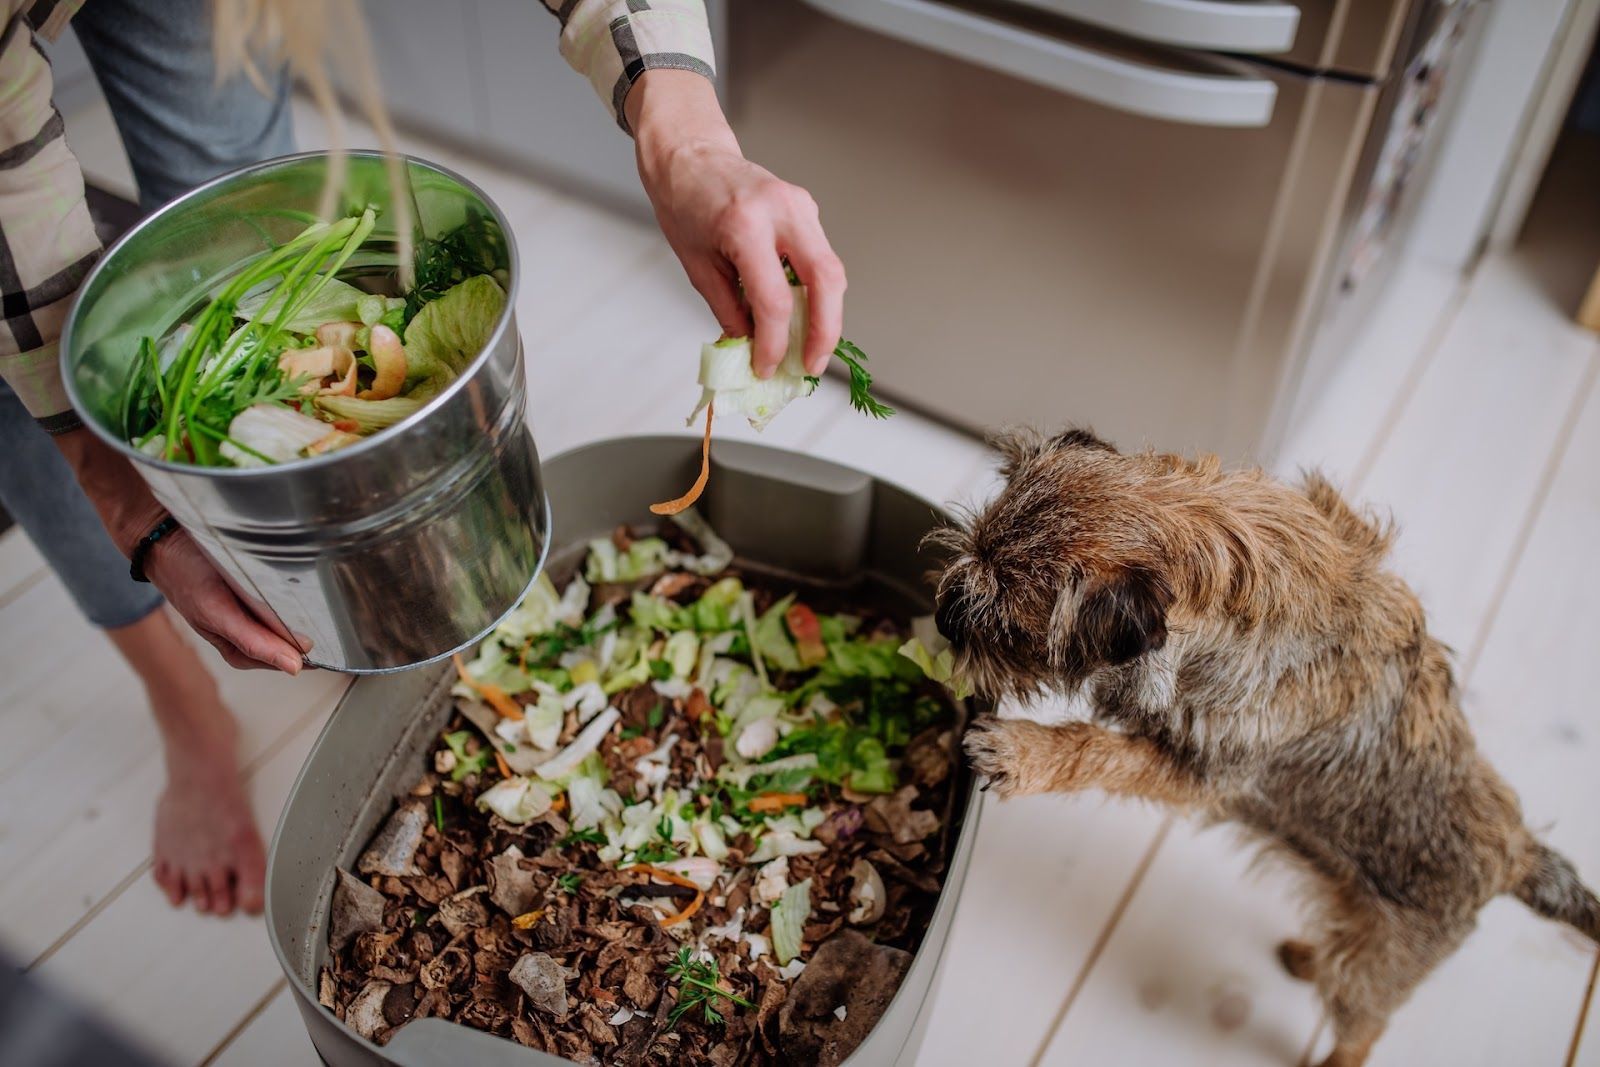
993,748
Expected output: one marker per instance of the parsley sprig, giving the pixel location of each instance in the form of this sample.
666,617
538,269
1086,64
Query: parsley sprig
861,397
699,987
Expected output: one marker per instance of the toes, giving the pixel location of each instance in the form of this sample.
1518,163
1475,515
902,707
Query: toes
219,885
171,882
1299,959
199,892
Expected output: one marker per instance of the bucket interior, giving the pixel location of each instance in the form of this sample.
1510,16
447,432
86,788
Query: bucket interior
805,519
166,268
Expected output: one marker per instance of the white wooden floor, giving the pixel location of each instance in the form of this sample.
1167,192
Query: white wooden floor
1091,931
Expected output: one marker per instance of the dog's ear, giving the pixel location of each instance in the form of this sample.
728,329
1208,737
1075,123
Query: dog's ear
1081,437
1121,618
1017,447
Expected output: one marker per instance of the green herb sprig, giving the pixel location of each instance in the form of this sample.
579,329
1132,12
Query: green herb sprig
861,397
699,986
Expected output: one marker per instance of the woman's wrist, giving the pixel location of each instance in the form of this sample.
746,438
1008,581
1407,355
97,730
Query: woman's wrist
672,113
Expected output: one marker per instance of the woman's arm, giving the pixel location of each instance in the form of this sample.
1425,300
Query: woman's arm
730,221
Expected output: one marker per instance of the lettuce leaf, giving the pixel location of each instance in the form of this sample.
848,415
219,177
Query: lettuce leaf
448,333
336,301
928,649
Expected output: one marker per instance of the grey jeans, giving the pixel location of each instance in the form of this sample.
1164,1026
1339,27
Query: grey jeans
180,128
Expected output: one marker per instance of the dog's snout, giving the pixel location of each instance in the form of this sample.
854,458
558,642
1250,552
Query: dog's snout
951,615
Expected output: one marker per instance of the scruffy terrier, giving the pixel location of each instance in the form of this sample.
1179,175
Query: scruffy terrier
1248,658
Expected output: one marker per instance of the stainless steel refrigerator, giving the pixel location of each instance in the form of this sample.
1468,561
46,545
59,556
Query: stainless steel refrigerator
1163,218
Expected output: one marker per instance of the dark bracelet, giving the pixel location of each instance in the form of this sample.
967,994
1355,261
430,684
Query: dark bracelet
142,549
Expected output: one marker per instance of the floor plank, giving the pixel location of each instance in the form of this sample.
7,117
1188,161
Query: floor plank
20,565
178,981
1467,453
1513,993
1339,432
274,1037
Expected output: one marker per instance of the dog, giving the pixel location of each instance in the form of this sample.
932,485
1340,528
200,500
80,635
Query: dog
1248,658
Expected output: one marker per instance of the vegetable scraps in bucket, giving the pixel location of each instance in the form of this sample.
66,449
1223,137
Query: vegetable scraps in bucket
728,381
288,360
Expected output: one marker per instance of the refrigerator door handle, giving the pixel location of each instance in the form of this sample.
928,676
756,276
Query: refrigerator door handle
1261,27
1158,92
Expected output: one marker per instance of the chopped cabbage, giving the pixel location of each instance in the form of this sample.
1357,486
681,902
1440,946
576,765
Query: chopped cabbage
567,760
277,432
789,917
645,557
517,800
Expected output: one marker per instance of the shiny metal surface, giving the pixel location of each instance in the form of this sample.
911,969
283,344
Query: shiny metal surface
388,554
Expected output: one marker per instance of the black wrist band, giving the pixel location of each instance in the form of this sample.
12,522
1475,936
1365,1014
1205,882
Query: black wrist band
142,549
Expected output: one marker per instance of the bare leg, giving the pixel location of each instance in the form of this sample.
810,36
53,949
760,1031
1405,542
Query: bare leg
207,847
1021,757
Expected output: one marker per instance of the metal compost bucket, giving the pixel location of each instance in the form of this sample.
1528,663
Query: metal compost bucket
781,511
397,550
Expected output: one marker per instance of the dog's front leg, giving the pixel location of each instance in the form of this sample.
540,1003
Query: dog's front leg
1019,758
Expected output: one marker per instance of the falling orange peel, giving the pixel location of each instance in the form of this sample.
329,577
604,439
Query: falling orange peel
672,507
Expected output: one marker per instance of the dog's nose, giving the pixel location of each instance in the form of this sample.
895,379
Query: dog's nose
951,616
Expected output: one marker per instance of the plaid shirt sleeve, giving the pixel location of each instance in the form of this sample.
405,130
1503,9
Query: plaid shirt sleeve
612,42
47,241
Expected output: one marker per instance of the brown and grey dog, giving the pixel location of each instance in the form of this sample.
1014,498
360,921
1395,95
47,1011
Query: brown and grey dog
1248,658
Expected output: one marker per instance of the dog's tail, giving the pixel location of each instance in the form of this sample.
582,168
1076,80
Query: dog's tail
1552,889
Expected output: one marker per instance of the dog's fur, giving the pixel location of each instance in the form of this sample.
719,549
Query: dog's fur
1248,658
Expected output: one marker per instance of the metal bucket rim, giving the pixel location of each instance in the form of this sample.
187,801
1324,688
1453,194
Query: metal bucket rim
327,458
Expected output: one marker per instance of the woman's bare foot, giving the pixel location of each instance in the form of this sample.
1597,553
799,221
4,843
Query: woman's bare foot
207,847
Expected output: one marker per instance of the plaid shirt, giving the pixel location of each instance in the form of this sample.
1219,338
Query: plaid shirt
48,243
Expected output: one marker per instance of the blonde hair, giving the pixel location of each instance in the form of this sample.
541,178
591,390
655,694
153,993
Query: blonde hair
302,34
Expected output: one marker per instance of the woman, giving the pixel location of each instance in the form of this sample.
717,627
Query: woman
728,220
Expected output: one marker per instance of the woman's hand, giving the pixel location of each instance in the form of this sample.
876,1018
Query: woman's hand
175,564
731,222
198,592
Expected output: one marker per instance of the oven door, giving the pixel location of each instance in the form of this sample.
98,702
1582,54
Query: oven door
1047,228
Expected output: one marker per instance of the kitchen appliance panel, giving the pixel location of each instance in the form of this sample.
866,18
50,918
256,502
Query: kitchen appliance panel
1018,255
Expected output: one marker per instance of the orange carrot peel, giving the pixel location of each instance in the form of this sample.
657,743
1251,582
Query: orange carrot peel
777,802
492,695
500,761
678,880
672,507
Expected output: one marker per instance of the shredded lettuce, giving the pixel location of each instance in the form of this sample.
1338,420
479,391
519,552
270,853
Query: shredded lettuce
789,917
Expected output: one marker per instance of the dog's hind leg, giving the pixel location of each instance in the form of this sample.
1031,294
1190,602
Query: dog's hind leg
1367,967
1019,757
